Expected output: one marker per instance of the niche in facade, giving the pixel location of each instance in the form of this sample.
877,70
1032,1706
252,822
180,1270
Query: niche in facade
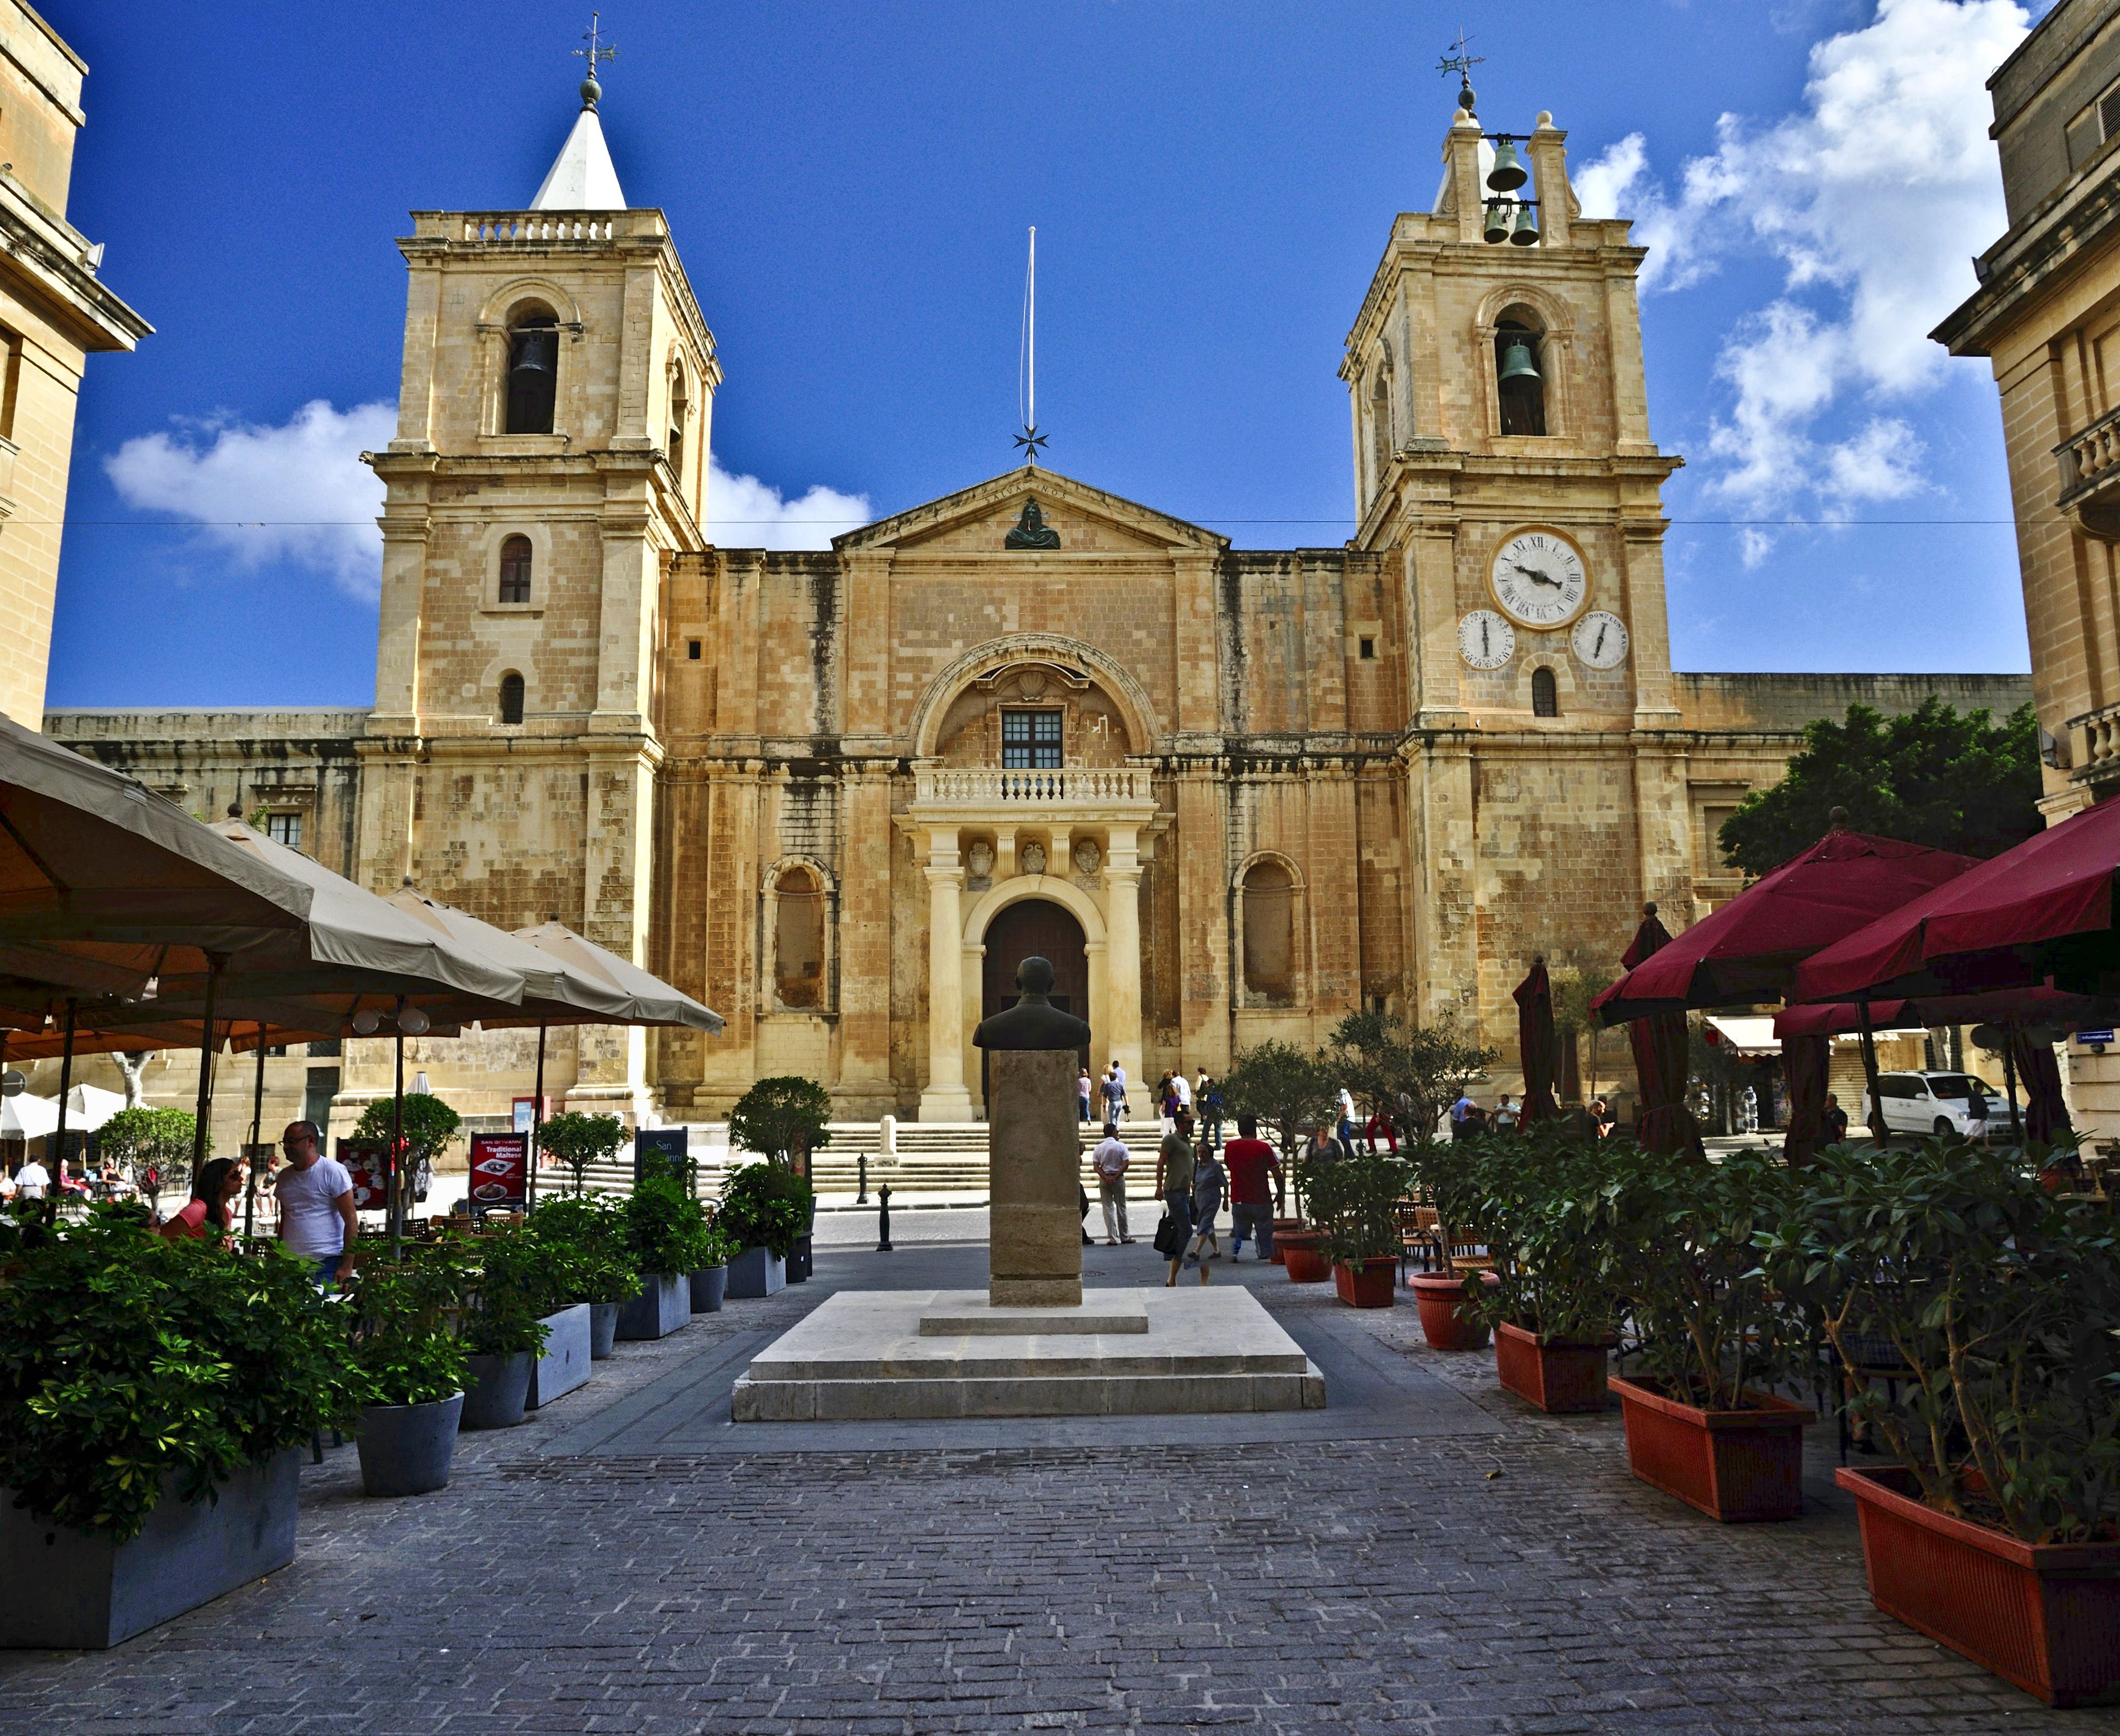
1269,899
799,949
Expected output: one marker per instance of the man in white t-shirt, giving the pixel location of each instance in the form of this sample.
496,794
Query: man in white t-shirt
31,1181
1183,1087
316,1218
1109,1161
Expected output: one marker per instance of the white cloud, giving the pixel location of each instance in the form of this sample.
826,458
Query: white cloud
298,492
743,512
1872,196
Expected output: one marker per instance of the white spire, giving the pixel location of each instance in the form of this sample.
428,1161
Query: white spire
581,177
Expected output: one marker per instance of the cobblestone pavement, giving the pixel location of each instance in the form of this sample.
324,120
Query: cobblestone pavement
1461,1585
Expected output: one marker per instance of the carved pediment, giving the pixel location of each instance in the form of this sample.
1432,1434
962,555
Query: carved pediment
980,520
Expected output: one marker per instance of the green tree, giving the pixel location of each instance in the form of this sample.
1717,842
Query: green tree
578,1141
1405,1072
778,1117
153,1147
1932,776
429,1124
1286,1088
1574,987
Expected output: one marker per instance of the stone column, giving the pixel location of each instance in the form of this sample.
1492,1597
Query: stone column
945,1099
1034,1248
1123,956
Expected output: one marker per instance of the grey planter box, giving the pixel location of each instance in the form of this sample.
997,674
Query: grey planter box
755,1273
709,1284
603,1329
408,1449
565,1364
663,1306
498,1390
62,1591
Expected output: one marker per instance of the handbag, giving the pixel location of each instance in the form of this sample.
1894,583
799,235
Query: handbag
1167,1237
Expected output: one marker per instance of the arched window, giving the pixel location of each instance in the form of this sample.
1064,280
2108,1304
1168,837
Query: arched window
1270,931
1545,694
798,940
511,697
1380,425
533,373
679,409
515,570
1520,372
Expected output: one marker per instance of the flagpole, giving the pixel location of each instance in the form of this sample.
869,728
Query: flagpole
1033,343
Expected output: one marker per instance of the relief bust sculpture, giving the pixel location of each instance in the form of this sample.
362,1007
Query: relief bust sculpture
1031,531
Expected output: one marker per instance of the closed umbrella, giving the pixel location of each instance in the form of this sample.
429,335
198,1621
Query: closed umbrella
1659,1044
1535,1043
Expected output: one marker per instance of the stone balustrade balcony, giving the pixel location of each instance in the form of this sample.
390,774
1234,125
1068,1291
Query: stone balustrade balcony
2090,478
1064,793
539,229
2093,742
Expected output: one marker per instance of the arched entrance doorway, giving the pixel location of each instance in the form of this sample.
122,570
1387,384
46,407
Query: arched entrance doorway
1033,928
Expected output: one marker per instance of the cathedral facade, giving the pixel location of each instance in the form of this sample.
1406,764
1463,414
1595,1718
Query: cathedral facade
837,795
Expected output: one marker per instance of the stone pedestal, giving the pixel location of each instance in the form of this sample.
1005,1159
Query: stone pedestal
1035,1255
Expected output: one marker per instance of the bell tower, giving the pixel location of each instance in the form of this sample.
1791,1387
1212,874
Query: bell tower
1505,468
550,464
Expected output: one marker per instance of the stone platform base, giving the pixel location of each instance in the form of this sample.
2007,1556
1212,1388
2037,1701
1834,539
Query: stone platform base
878,1355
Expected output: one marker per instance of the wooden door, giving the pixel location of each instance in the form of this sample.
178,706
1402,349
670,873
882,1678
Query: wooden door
1035,929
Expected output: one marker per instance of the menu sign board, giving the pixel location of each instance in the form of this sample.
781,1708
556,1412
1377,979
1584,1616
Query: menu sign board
500,1170
659,1151
368,1161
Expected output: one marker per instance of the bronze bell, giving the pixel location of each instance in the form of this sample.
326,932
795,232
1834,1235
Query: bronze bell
1508,174
1516,363
1525,233
1497,230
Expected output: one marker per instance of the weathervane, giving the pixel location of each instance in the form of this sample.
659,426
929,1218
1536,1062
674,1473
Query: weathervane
1461,63
1026,404
591,90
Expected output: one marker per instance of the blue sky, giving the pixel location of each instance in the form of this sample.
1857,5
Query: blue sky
1212,183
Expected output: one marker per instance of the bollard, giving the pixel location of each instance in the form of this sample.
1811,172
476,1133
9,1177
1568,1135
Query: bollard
860,1183
883,1220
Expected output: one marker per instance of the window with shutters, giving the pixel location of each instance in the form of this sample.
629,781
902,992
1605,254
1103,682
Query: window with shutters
511,697
1545,694
515,570
1030,741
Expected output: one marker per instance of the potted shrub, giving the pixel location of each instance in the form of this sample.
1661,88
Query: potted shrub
412,1368
786,1120
1450,1301
585,1242
665,1233
1356,1202
1702,1422
153,1395
710,1279
1540,1204
505,1289
765,1210
1998,1532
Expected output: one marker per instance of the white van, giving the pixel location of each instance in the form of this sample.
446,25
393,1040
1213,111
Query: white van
1946,1104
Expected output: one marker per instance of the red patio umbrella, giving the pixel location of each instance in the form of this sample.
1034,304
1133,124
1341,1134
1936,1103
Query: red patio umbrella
1659,1043
1748,951
1535,1043
2043,909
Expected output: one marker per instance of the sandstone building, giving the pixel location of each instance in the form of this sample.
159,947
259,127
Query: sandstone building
53,312
837,795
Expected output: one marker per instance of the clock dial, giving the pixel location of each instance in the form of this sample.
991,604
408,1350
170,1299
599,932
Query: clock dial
1485,640
1539,580
1600,640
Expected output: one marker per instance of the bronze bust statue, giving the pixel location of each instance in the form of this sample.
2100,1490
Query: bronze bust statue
1034,1022
1031,531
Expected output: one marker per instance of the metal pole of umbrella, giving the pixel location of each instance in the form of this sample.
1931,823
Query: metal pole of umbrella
57,1165
257,1133
202,1120
395,1173
537,1116
1878,1130
2010,1080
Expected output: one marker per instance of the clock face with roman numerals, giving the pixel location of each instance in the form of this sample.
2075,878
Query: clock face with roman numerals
1539,580
1485,640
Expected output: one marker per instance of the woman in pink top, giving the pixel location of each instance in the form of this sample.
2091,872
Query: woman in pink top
213,1190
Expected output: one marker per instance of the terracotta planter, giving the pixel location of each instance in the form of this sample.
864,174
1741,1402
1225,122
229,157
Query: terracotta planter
1284,1227
1735,1465
1301,1251
1372,1284
1440,1297
2044,1616
1554,1374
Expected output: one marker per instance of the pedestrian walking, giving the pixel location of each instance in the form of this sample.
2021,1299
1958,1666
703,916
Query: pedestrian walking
32,1180
1346,1127
1181,1090
318,1220
1248,1161
1082,1095
1207,1100
1174,1184
214,1189
1115,1092
1210,1181
1109,1160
